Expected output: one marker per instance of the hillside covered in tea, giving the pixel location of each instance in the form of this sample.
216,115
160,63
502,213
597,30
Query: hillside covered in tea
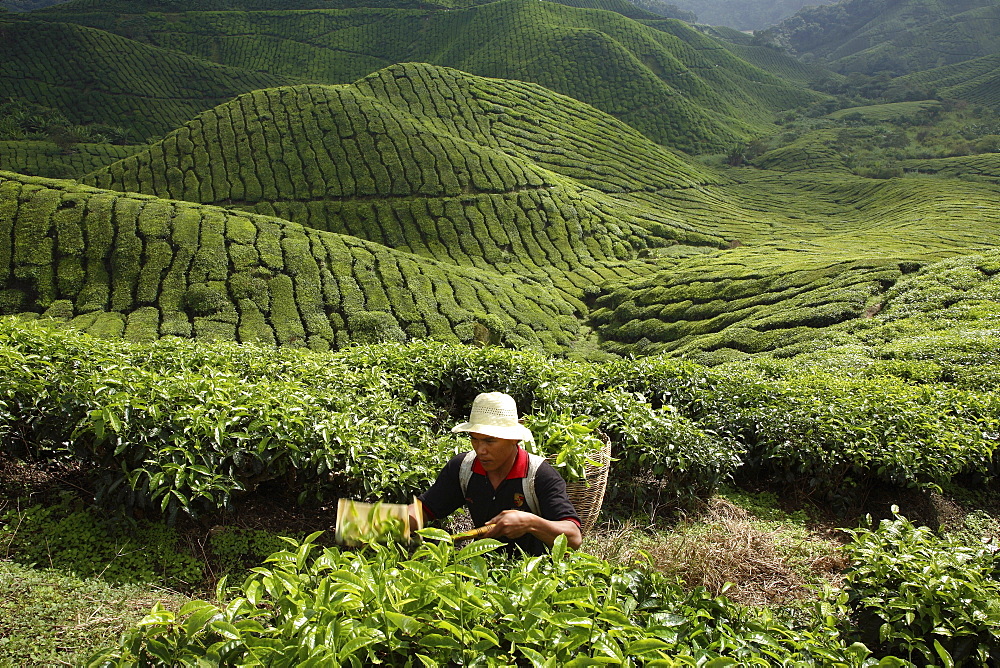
894,37
672,83
504,172
257,256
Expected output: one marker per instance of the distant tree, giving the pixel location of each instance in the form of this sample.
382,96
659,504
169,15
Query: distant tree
65,139
26,5
666,10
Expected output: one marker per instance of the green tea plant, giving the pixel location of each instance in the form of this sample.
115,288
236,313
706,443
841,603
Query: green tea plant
176,426
570,443
187,439
933,600
363,524
828,433
440,605
235,550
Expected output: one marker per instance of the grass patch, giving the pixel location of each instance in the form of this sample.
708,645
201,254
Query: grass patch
49,618
729,550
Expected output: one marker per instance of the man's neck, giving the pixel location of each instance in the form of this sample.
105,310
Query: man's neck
499,475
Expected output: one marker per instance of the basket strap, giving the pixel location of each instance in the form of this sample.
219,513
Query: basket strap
534,461
465,471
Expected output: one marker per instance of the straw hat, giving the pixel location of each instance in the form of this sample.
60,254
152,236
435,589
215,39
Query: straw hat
495,414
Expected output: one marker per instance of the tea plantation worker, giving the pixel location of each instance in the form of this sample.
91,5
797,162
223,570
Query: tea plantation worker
497,477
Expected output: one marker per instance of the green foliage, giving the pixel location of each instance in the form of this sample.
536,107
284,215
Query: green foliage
50,617
570,443
743,16
885,37
598,57
933,600
683,308
187,270
441,605
236,550
823,432
85,83
201,424
76,541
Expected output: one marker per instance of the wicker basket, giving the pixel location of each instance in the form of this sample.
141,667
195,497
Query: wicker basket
588,495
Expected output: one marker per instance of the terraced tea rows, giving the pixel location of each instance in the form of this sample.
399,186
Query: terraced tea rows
662,77
434,162
95,76
737,306
896,37
982,167
134,7
842,216
976,80
42,158
142,267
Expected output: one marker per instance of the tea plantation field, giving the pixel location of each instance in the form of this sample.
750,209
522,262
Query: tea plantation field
905,398
658,75
260,255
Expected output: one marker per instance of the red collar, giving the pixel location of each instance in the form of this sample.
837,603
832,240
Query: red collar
518,470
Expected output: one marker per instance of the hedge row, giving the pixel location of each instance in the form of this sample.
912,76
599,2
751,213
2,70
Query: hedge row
405,130
983,167
434,162
141,267
186,425
190,426
738,307
44,158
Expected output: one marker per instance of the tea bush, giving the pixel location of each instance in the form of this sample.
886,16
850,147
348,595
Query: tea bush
931,599
235,550
180,426
831,434
184,426
443,605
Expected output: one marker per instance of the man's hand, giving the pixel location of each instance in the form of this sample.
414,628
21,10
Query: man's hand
517,523
416,516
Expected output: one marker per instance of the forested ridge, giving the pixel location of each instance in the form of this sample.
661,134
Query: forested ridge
891,36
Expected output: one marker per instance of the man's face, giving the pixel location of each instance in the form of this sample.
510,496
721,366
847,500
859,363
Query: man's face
494,453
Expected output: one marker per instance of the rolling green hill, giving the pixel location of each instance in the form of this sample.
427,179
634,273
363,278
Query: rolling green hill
24,5
679,87
501,183
744,14
493,174
896,36
442,188
96,76
138,7
44,158
982,167
142,267
976,80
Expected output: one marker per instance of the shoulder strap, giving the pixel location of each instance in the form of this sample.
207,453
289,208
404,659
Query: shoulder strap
465,471
534,461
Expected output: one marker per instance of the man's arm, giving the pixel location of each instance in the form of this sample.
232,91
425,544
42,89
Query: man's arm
517,523
443,497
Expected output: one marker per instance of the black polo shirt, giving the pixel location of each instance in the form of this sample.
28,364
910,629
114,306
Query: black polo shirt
484,503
